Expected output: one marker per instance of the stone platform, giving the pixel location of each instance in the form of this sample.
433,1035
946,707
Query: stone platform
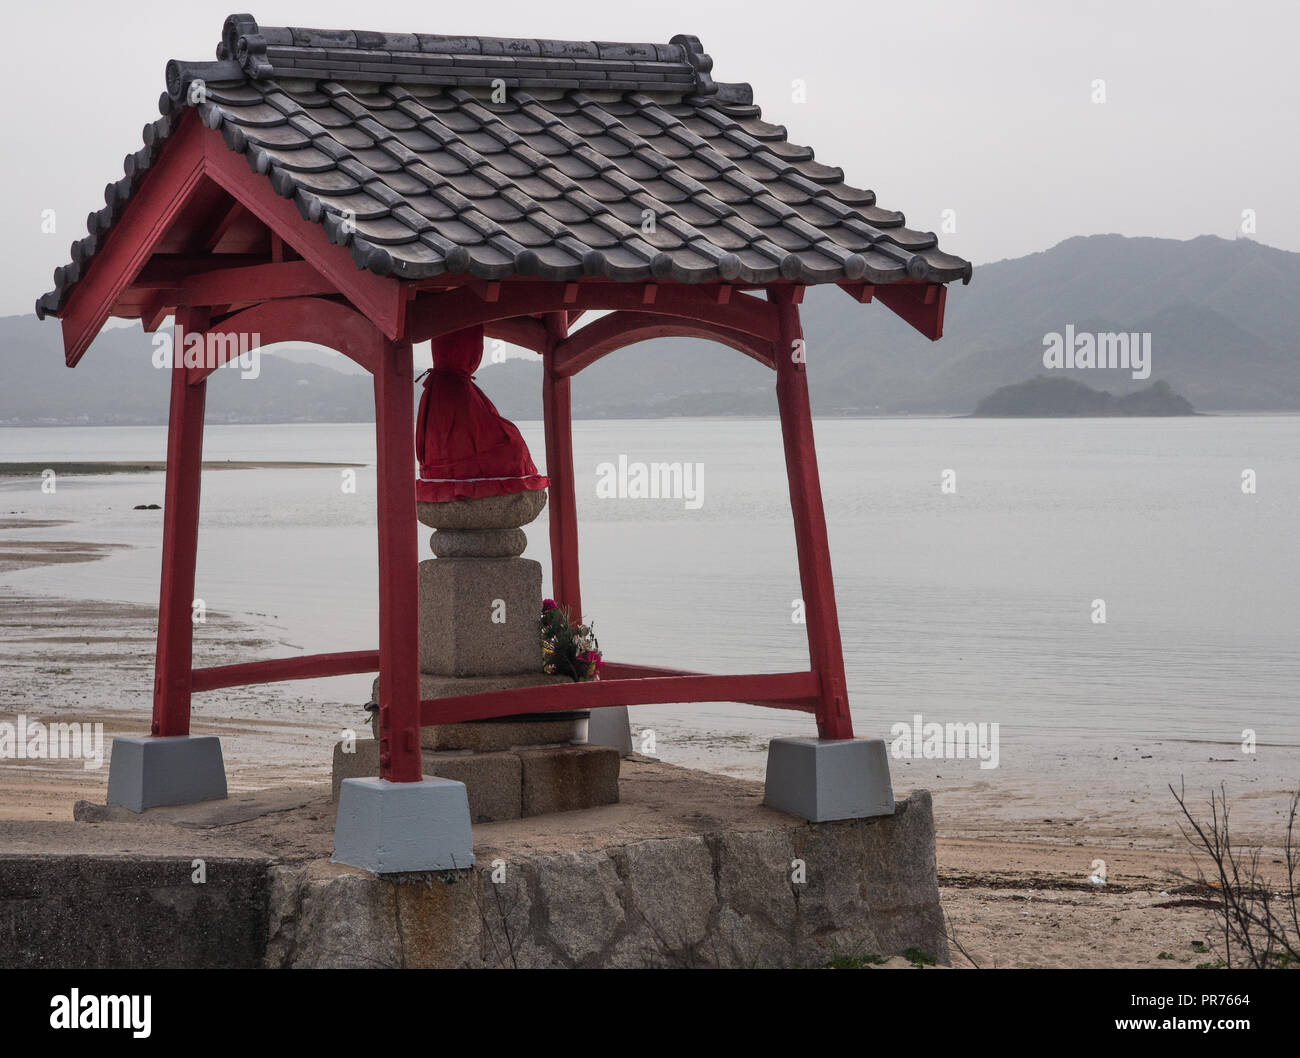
513,782
688,869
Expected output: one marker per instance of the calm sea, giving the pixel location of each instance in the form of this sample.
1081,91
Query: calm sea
974,605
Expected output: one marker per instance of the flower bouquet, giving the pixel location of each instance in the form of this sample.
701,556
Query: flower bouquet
568,649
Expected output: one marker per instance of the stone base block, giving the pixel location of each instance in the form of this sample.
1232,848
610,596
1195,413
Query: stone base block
361,763
494,781
610,727
825,779
568,778
559,778
149,772
478,616
397,827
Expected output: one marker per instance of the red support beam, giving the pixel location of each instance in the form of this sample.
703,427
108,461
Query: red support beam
824,648
213,228
621,670
174,658
153,315
780,690
306,667
399,646
432,314
263,282
860,291
557,414
167,271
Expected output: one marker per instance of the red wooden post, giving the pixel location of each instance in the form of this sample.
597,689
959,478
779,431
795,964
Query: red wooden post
824,649
557,411
175,655
399,630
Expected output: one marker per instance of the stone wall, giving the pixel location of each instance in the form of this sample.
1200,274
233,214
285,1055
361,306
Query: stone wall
713,899
97,911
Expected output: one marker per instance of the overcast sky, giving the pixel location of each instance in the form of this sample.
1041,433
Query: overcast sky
983,108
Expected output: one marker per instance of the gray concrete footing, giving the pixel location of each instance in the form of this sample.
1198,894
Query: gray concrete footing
149,771
610,727
825,779
396,827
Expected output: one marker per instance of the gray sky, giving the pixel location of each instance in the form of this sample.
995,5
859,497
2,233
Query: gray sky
983,108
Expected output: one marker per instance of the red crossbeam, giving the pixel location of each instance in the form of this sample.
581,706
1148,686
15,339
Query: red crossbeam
779,690
432,315
306,667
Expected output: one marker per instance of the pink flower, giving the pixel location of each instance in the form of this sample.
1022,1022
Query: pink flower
548,605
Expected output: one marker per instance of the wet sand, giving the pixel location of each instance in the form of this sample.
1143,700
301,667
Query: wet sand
130,467
1015,896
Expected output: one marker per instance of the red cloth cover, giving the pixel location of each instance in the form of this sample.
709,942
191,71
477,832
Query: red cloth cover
466,448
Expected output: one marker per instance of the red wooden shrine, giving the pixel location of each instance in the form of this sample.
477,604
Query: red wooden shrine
207,237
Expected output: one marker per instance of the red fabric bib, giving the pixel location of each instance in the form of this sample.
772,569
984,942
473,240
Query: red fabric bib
466,448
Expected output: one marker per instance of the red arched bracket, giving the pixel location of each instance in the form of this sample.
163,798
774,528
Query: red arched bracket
328,323
523,331
625,327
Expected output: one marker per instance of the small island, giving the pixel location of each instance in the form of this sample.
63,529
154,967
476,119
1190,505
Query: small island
1044,397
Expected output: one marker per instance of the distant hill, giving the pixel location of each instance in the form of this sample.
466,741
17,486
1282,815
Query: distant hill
117,384
1045,397
1223,316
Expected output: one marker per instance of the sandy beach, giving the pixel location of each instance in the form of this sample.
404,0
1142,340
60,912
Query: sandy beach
1015,895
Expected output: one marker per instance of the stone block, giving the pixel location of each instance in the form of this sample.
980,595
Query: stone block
478,616
827,779
151,771
478,543
568,778
508,511
487,736
362,763
672,893
398,827
493,782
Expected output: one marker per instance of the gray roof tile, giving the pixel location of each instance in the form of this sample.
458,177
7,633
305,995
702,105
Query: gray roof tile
434,176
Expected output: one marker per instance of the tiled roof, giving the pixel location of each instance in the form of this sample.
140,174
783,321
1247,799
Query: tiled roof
622,161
